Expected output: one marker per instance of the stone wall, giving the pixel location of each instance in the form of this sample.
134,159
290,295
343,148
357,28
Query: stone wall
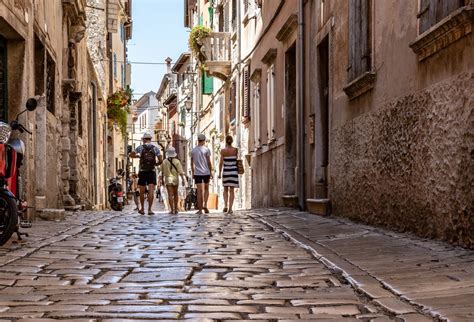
96,39
408,165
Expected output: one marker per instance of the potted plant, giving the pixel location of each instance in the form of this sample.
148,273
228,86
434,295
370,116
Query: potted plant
118,108
197,34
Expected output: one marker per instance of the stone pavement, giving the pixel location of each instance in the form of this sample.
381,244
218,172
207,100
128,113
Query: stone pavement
398,271
111,266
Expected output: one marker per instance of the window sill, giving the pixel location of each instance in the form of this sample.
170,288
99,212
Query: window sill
360,85
452,28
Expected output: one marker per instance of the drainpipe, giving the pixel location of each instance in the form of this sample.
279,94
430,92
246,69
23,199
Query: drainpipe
301,100
238,100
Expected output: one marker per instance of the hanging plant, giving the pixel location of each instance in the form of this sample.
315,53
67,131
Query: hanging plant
197,34
118,108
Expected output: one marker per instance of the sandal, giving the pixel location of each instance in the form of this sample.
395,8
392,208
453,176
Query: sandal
141,212
230,212
206,210
224,210
151,213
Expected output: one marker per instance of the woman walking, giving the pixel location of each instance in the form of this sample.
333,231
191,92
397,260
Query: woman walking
229,172
171,170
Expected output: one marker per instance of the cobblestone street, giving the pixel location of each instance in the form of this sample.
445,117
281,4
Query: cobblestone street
112,266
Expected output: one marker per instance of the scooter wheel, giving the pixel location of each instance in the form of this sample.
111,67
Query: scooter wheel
8,217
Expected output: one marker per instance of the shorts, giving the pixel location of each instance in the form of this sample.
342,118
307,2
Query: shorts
202,179
146,177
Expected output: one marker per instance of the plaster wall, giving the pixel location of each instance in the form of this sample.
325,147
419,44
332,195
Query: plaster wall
401,154
268,159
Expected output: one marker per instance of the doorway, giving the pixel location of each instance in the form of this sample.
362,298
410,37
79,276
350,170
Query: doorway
322,152
290,121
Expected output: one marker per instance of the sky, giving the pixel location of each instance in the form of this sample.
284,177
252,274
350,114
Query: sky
158,32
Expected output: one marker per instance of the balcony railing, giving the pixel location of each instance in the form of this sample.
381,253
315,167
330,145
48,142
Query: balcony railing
217,52
216,47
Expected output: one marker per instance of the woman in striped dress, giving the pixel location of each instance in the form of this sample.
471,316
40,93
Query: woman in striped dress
229,173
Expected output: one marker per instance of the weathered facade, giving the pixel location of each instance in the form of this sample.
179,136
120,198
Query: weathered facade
359,107
385,130
119,31
54,49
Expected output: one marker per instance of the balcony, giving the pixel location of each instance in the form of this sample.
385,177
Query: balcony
216,50
76,11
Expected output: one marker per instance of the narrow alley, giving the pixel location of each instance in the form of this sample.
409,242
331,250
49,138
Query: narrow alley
112,266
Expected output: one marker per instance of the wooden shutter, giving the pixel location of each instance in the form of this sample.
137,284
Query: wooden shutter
246,94
232,102
226,17
359,38
221,19
433,11
207,84
234,14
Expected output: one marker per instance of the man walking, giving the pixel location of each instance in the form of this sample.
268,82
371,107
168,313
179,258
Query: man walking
150,157
202,172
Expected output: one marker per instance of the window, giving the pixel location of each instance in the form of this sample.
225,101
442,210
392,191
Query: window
234,14
246,95
256,113
115,65
232,102
271,102
50,84
79,118
359,38
433,11
246,6
122,75
122,32
207,84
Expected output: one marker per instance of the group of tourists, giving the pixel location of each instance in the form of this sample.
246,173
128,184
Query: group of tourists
173,180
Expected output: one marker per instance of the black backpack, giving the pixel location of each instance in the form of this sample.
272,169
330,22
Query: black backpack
148,158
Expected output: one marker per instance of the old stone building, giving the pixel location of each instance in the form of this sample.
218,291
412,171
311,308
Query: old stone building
360,108
54,49
369,112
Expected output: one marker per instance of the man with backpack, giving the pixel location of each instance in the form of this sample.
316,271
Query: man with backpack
150,157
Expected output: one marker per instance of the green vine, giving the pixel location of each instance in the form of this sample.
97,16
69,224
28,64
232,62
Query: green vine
118,108
197,34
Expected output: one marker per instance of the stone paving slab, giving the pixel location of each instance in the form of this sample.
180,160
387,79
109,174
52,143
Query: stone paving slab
108,266
400,272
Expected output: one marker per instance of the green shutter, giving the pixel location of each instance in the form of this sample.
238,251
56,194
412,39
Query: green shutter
207,85
211,16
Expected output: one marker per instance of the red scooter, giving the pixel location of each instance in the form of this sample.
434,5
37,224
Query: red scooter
12,205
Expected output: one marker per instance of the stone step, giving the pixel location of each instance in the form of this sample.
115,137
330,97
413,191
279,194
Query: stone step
52,214
320,207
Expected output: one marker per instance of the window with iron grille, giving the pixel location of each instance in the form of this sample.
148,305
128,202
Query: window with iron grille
50,84
359,38
433,11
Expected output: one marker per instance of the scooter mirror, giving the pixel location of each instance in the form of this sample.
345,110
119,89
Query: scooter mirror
31,104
